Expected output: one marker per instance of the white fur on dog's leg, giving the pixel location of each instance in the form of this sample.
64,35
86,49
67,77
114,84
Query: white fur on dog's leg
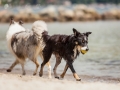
49,72
23,70
60,78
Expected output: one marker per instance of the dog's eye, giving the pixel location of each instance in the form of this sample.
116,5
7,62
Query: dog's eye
83,41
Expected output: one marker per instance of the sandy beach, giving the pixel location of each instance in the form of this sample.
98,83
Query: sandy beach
16,81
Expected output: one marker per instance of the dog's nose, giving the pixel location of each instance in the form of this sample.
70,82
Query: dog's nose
87,49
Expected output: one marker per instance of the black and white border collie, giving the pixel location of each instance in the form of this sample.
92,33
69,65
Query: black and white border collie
67,47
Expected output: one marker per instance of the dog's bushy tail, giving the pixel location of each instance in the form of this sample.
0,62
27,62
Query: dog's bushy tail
39,27
14,27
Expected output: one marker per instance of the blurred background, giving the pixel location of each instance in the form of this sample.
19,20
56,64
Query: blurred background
59,10
101,17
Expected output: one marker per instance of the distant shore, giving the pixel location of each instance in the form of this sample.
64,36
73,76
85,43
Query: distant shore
79,12
15,81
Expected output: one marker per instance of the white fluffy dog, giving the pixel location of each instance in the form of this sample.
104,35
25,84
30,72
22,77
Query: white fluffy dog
25,44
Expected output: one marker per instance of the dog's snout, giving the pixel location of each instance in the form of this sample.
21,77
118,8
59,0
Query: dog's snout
87,49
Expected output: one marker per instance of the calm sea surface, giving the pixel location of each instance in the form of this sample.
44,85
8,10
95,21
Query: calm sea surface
103,58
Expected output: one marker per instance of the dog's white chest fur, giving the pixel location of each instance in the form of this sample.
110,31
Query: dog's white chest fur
75,51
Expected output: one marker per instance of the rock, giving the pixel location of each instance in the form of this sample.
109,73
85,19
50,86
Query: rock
79,16
80,7
22,16
5,16
33,17
111,15
82,12
88,17
2,14
26,14
93,13
66,14
49,14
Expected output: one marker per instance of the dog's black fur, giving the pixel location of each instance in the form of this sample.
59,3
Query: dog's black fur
62,46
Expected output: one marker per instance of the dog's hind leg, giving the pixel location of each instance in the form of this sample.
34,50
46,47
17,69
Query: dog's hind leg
23,70
22,62
46,60
13,65
41,69
64,72
49,66
49,69
58,61
37,65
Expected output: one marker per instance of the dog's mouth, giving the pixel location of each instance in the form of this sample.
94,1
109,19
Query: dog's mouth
83,50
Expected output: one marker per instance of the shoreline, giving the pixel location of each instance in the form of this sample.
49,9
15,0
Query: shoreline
29,82
68,77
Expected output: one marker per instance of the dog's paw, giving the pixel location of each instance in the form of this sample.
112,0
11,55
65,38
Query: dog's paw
8,70
61,78
78,79
34,74
40,74
57,77
24,73
49,77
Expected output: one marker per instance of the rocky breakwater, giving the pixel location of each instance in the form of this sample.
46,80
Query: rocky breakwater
60,13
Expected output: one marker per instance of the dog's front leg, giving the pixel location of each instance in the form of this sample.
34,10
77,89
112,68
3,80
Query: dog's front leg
64,72
49,69
73,71
58,61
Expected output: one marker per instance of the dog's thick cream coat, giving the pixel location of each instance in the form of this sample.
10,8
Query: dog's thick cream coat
38,28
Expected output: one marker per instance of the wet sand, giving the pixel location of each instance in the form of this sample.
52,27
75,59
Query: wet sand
15,81
69,77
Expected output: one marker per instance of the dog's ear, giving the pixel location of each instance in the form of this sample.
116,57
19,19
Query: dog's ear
20,22
87,33
11,21
76,33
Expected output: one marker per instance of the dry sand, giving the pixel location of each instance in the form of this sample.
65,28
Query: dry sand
15,81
